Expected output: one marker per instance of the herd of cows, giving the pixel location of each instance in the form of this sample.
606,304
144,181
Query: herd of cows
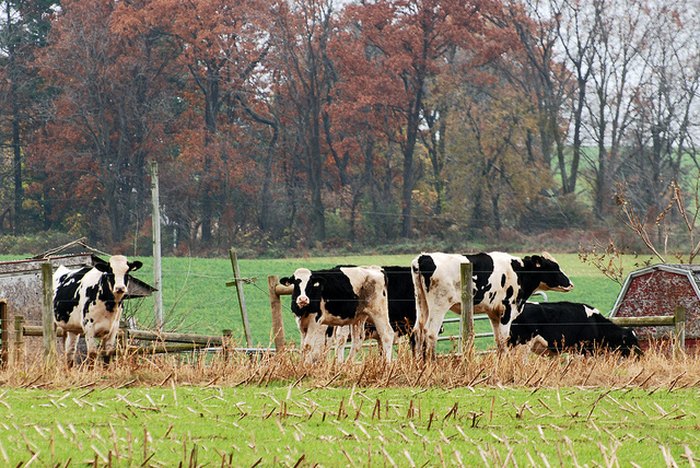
387,302
377,302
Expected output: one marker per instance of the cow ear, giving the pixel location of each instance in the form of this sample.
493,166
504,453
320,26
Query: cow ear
103,267
135,265
287,281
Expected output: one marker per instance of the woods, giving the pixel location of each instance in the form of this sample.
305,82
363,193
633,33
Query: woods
312,122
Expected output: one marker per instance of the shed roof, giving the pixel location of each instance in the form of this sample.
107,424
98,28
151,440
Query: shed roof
691,272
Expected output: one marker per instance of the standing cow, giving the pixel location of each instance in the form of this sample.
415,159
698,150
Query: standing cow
88,301
553,327
502,284
339,296
402,312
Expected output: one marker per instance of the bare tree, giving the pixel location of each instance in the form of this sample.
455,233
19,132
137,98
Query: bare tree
623,32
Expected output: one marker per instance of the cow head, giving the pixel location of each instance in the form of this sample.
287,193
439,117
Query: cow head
306,306
116,273
547,273
306,296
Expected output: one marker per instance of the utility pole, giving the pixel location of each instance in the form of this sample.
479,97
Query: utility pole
157,268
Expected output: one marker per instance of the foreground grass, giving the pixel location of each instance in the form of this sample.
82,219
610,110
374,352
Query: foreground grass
291,425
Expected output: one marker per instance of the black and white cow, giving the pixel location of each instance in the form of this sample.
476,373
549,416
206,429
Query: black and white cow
402,311
88,301
553,327
338,297
502,284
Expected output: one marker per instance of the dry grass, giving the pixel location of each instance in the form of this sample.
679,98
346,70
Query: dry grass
657,369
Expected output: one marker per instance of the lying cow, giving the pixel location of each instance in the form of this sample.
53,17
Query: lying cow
338,297
88,301
502,283
552,327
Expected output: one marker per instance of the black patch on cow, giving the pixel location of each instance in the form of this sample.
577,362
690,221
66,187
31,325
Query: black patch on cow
482,268
426,267
67,294
566,326
505,318
402,300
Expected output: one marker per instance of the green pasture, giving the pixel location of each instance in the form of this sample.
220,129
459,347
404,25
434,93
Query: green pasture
293,426
196,298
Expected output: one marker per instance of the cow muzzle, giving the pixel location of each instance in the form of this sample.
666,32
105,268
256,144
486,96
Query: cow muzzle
120,290
302,301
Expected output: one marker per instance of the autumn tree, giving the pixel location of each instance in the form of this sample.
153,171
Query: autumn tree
220,48
404,44
304,74
23,29
107,118
490,138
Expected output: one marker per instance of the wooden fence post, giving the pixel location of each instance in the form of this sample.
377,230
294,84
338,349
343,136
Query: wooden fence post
276,308
679,332
466,326
18,353
4,333
47,316
238,282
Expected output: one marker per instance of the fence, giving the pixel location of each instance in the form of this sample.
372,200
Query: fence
677,320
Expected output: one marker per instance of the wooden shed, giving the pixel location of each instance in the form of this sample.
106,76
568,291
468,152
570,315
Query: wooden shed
658,290
21,284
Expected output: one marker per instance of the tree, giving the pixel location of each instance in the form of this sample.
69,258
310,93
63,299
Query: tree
663,103
491,129
305,77
221,46
23,31
109,114
404,45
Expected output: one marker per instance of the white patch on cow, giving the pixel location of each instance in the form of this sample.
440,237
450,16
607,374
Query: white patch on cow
304,276
590,311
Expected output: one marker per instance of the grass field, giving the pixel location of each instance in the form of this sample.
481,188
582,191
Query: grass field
287,426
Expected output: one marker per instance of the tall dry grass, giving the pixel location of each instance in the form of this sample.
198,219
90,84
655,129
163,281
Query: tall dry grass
657,368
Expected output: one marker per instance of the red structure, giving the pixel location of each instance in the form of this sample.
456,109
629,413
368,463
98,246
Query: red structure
658,290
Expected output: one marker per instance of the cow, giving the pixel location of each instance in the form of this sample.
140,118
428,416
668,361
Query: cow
553,327
88,301
402,312
501,285
338,297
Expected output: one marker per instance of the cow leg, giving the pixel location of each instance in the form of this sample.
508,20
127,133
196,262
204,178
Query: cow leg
357,336
340,338
500,334
90,341
386,335
70,346
108,343
432,331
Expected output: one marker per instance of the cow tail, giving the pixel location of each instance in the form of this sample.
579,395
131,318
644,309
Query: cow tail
420,289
